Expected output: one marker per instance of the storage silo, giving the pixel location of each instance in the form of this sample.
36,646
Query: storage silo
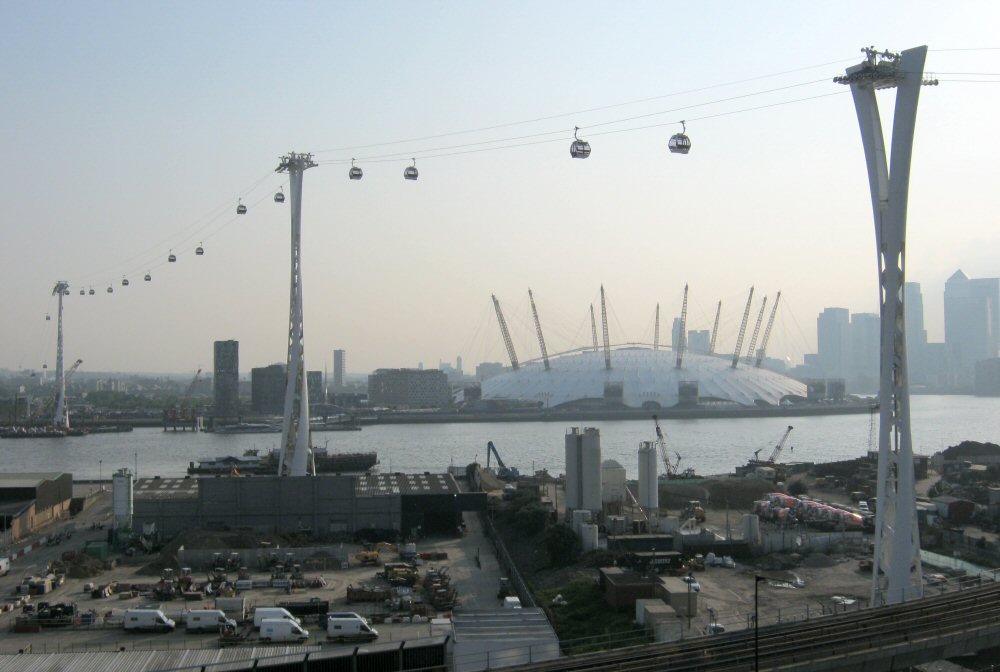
583,469
612,482
649,493
122,498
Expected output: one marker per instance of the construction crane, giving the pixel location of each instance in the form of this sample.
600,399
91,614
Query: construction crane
715,329
186,400
776,453
743,329
182,415
504,473
756,331
506,335
661,444
52,400
637,505
604,322
682,336
767,332
538,330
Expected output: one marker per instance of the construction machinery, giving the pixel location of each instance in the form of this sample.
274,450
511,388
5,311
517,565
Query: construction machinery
661,444
694,510
183,416
45,408
504,473
768,469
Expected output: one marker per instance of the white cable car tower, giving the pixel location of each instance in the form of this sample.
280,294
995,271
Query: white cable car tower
896,573
296,448
60,417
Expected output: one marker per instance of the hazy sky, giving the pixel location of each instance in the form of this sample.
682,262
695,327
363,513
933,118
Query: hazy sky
129,129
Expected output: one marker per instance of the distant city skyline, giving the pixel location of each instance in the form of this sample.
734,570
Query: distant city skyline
125,146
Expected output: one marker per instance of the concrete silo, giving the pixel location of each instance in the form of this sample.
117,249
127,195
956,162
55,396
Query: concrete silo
122,500
583,469
649,493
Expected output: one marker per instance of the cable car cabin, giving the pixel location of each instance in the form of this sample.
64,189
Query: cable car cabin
580,149
91,292
82,292
124,282
280,196
200,251
356,174
148,277
410,173
240,208
48,317
111,290
172,258
679,144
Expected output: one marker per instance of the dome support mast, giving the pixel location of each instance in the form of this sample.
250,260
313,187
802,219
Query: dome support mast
682,336
756,332
506,335
743,329
593,327
656,330
767,332
715,329
538,330
604,323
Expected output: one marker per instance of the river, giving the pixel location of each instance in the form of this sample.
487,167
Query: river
709,446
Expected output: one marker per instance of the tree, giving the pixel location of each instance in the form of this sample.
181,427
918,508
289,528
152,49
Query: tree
797,488
562,545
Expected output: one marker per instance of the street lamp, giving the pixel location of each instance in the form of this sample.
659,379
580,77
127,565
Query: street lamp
756,623
100,473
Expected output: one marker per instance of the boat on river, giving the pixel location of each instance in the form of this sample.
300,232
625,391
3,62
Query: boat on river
252,463
248,428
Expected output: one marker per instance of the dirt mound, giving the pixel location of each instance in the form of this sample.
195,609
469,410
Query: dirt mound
84,566
193,539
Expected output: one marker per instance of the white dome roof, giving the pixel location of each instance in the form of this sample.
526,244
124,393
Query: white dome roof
645,375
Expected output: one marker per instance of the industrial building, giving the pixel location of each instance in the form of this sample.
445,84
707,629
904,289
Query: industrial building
409,388
30,500
226,379
320,505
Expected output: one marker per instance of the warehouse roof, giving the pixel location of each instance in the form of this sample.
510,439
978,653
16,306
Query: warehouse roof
166,488
28,479
373,485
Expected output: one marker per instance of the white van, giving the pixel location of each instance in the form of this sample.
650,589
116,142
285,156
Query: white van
147,619
349,626
282,630
4,566
207,620
273,613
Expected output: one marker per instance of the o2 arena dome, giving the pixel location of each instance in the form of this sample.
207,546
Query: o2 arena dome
640,377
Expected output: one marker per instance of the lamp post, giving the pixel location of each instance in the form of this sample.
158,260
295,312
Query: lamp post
100,473
756,623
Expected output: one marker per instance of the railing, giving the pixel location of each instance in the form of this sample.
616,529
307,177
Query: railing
507,564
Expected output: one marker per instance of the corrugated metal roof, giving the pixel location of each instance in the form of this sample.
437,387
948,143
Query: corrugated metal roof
166,488
222,660
27,479
374,485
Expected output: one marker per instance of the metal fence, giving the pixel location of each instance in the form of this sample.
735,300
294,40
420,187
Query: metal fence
506,563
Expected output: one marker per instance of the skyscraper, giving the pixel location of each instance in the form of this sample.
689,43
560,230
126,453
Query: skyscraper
833,342
339,369
916,334
864,350
971,324
226,380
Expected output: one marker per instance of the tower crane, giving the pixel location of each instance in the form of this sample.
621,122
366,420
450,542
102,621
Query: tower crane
767,332
756,331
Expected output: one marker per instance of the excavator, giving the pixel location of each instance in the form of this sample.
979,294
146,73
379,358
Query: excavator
504,473
372,556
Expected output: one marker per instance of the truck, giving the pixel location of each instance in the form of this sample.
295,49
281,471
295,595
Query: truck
272,613
349,626
282,630
152,620
207,620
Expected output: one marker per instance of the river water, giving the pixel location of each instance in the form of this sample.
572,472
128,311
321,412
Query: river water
709,446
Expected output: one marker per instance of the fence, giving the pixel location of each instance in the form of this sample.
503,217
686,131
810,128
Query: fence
506,563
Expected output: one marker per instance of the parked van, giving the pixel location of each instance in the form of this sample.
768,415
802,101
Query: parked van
154,620
272,613
207,620
282,630
349,626
4,566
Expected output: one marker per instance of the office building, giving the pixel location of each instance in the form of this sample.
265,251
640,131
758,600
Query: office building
267,389
314,381
916,334
339,369
699,340
226,379
971,325
409,388
864,352
833,342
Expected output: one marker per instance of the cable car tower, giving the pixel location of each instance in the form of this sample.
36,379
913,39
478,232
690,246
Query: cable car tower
295,458
896,572
60,417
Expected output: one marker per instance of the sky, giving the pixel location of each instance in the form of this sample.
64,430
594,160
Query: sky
130,130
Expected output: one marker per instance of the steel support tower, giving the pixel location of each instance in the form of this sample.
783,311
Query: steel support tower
896,573
60,417
296,457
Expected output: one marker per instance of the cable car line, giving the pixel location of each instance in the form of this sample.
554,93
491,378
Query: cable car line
587,110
